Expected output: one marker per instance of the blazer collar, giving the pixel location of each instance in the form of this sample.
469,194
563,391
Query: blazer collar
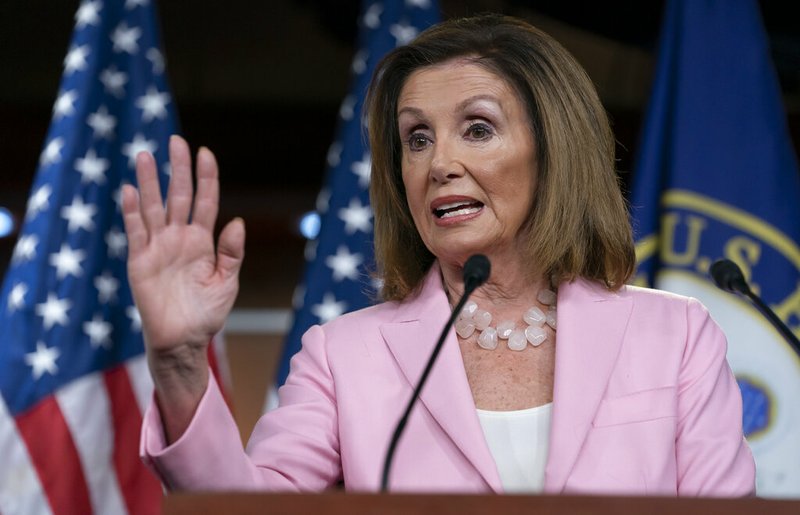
584,362
591,327
411,337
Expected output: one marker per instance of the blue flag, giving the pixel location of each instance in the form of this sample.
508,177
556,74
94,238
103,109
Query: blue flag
339,261
73,380
717,177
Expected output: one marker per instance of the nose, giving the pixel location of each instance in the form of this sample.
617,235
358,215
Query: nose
445,165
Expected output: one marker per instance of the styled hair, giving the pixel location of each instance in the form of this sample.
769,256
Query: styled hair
578,225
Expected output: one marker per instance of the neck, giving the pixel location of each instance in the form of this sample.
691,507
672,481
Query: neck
510,287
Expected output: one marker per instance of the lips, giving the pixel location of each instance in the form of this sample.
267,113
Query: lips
454,208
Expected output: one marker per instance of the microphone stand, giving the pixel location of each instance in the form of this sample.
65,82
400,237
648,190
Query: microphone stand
773,318
729,277
472,279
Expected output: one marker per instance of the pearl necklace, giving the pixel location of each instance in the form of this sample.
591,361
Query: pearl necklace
472,318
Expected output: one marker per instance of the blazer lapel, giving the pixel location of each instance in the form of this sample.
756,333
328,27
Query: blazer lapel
446,395
591,327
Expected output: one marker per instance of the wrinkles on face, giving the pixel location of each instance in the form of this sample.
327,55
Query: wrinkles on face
468,160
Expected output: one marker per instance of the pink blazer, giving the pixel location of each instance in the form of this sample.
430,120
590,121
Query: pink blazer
644,403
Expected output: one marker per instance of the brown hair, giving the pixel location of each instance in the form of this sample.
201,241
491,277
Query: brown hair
579,224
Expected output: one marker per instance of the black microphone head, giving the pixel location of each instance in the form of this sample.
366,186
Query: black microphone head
728,276
476,271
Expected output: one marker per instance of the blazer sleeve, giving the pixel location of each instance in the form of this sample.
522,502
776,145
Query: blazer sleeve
293,448
713,458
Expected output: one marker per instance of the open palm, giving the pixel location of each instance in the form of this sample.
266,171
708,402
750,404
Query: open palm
183,288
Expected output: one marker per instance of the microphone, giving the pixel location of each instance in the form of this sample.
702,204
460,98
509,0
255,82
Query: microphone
728,276
476,272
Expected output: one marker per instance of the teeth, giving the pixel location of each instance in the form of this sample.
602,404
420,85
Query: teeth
445,207
461,212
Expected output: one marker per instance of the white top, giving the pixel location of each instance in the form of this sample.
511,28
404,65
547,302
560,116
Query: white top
518,441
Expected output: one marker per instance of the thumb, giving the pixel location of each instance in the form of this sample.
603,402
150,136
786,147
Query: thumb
230,248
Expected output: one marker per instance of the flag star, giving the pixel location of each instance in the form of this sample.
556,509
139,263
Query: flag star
76,59
153,104
116,195
360,61
65,104
124,38
98,331
403,33
422,4
114,81
132,4
334,156
16,297
107,286
347,109
92,168
298,296
102,123
67,261
372,18
25,249
138,144
79,215
39,201
136,319
87,14
329,309
323,200
154,56
363,169
356,217
344,264
42,360
310,250
116,241
52,152
53,311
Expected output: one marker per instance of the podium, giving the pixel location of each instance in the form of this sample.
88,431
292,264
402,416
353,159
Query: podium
338,503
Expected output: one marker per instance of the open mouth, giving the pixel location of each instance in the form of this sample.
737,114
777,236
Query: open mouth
457,209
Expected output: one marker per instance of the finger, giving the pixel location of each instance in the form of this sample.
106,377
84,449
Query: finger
179,194
132,219
150,202
206,202
230,249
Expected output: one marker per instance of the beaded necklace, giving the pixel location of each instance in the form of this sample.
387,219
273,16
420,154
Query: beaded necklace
473,318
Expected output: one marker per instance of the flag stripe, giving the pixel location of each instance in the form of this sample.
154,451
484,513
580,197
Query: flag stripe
140,488
141,381
20,488
85,406
53,453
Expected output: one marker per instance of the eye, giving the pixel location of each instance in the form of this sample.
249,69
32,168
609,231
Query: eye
479,131
418,141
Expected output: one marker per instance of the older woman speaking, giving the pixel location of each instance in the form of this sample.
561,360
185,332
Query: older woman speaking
486,137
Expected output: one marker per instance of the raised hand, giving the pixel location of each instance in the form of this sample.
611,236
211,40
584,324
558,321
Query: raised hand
183,288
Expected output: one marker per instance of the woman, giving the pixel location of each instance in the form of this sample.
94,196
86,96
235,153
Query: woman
487,137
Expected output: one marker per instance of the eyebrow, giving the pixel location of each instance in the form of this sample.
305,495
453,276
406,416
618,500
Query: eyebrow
460,107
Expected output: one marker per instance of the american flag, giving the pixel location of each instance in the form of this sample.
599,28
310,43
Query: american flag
72,372
340,260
